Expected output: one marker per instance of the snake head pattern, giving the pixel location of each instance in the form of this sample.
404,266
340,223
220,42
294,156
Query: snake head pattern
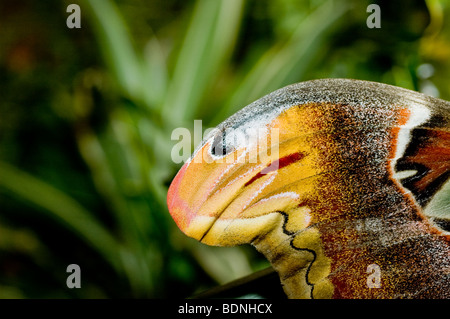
326,178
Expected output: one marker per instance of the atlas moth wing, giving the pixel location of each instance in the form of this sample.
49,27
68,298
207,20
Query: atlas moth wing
438,209
343,197
422,144
427,158
424,153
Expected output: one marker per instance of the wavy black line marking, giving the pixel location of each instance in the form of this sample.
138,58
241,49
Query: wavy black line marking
291,243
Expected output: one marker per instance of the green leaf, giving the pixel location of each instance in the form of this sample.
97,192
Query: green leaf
287,60
116,45
62,208
208,42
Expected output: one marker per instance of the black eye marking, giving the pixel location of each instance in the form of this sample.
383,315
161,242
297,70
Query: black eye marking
220,147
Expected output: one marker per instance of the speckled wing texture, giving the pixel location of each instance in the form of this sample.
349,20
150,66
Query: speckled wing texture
349,200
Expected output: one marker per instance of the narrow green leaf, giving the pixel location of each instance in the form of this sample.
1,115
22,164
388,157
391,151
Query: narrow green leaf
62,207
209,40
286,60
116,46
155,74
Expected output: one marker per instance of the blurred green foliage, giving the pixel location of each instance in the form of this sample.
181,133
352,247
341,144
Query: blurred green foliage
86,117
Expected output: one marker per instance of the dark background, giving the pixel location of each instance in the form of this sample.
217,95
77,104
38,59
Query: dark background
86,117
